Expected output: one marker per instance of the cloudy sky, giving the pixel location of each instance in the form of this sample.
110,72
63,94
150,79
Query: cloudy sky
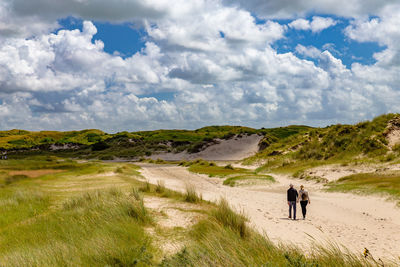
147,64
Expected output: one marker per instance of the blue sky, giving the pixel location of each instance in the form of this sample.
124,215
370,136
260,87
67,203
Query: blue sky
126,39
133,65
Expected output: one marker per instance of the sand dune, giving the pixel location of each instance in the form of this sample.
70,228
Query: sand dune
351,220
236,148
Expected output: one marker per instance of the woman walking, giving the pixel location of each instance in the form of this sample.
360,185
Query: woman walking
304,200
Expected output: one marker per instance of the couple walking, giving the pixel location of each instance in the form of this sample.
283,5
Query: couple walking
293,197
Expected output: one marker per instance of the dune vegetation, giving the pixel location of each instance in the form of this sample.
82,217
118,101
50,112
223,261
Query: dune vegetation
369,183
94,213
57,211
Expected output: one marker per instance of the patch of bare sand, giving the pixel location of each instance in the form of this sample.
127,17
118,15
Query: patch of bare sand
35,173
334,172
393,138
392,132
172,215
236,148
351,220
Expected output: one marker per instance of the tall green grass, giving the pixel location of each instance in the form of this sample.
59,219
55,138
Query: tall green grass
44,222
97,228
370,183
214,244
191,195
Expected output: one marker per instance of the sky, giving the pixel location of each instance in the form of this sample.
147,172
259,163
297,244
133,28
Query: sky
129,65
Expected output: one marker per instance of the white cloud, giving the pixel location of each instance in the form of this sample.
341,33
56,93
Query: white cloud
319,23
316,25
214,59
309,51
290,9
300,24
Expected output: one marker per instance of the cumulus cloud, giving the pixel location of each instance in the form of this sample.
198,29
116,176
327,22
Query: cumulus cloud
215,59
386,31
283,9
317,24
308,51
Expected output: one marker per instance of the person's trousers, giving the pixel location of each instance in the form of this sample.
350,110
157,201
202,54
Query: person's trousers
303,207
292,204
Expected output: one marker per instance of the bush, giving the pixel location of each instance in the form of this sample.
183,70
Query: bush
229,167
99,146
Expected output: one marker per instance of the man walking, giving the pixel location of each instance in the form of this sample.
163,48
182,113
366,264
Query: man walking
291,200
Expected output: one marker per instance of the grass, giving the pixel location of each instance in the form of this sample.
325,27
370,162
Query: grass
160,187
232,181
94,215
219,241
365,141
232,174
228,218
204,167
94,227
370,183
191,195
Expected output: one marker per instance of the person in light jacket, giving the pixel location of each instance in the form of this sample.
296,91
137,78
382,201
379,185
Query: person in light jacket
304,200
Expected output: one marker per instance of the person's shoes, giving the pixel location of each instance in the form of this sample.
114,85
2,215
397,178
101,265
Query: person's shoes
304,217
290,217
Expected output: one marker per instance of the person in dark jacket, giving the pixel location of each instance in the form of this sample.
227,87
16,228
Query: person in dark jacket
292,199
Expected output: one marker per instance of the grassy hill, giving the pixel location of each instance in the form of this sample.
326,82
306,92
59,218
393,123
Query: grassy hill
279,146
97,144
368,139
17,139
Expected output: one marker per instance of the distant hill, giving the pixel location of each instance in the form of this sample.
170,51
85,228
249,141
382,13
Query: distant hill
97,144
375,138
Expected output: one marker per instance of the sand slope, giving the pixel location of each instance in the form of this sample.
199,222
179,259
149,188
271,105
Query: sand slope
351,220
236,148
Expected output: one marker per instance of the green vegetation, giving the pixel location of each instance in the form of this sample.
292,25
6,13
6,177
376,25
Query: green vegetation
17,139
224,240
232,181
370,183
337,144
191,195
97,144
93,214
204,167
232,174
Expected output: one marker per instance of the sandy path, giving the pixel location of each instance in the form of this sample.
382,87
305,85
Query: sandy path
353,221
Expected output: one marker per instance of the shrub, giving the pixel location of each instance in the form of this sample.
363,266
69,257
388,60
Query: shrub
229,167
99,146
